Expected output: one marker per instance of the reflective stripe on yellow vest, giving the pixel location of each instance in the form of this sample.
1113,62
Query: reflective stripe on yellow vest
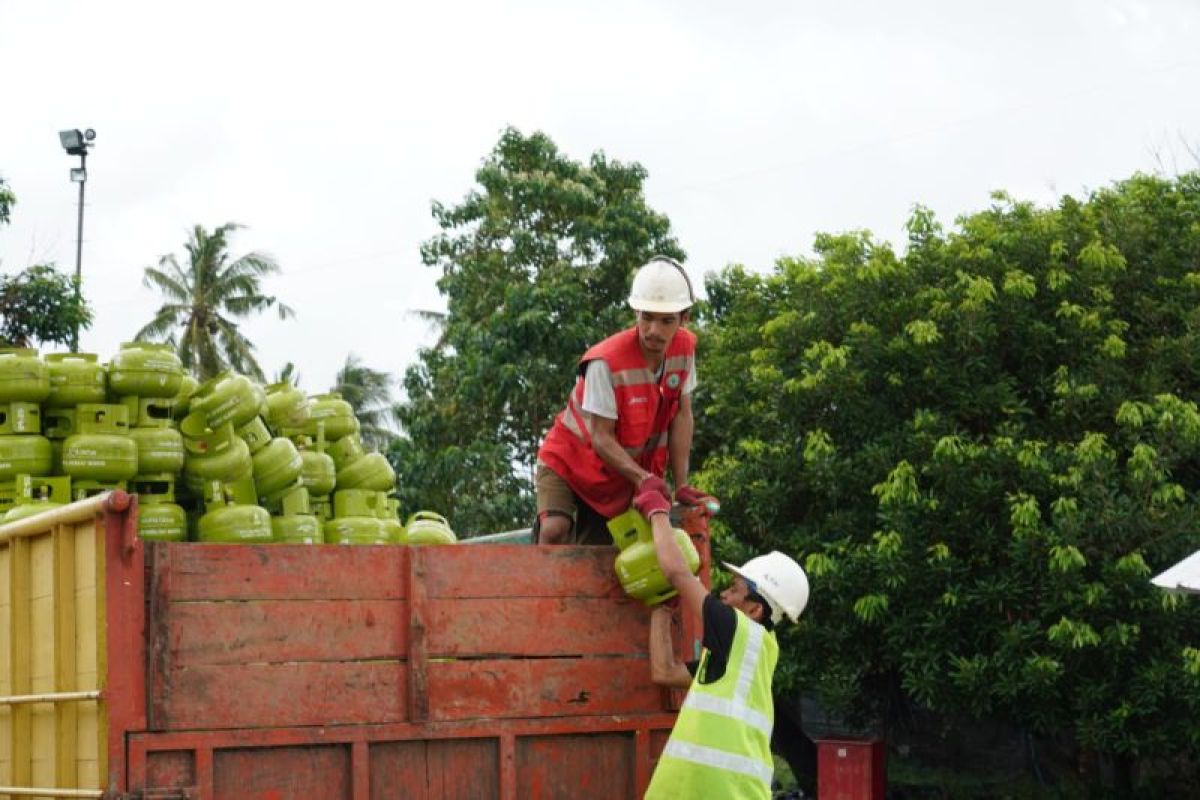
721,743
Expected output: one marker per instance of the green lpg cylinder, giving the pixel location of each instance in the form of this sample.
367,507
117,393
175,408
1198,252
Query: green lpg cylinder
162,522
393,528
336,413
297,529
346,450
255,434
145,369
35,495
159,450
75,378
20,416
182,401
287,406
637,565
318,474
28,509
228,397
229,523
102,450
371,472
355,519
276,466
429,527
212,455
27,454
23,376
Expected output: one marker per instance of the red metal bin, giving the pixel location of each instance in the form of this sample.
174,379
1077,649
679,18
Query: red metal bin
851,770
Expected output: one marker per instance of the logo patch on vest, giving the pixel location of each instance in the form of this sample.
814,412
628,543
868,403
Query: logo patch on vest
673,380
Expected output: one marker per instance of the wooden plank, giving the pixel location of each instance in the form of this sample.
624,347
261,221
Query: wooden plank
360,770
538,626
168,769
447,769
274,773
65,714
158,631
281,630
20,650
521,571
540,687
276,695
418,690
398,764
590,765
287,572
462,769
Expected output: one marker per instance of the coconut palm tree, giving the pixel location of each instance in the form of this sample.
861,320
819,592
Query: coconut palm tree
204,299
369,393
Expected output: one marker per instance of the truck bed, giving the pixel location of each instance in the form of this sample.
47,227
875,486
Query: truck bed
281,671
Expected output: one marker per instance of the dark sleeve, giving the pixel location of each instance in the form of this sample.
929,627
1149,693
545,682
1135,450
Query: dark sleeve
720,623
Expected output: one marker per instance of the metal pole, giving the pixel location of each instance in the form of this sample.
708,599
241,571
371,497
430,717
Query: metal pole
79,249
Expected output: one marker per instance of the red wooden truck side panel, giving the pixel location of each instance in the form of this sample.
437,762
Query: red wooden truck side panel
486,671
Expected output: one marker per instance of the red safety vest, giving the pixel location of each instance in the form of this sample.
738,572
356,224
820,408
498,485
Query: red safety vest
644,413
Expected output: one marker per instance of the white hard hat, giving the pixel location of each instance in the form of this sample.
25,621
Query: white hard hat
779,580
661,285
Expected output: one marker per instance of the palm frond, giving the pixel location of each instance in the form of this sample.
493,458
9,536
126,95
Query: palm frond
165,278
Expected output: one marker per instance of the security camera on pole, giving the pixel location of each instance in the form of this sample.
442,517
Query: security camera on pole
76,143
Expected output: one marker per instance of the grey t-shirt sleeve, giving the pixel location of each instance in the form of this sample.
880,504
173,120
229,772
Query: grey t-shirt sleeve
689,385
599,398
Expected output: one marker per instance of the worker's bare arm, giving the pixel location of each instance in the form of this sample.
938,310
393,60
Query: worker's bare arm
604,442
665,670
674,567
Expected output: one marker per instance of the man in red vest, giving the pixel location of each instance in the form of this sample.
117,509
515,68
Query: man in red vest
628,417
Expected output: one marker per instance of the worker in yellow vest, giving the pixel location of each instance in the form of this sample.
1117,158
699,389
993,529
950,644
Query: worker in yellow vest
721,743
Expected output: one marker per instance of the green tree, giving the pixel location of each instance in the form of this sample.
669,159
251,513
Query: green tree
38,305
535,265
369,393
204,300
41,305
982,449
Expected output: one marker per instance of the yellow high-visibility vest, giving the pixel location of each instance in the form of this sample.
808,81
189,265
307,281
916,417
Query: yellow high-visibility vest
720,746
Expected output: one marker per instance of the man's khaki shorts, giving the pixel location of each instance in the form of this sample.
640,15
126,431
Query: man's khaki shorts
555,497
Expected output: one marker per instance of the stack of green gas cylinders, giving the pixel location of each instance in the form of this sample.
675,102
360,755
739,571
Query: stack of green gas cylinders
227,460
24,451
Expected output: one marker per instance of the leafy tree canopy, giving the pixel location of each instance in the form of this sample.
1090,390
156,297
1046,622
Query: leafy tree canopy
982,450
205,297
535,263
38,305
41,305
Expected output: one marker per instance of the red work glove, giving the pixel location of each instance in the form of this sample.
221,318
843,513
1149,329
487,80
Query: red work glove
653,483
691,496
651,502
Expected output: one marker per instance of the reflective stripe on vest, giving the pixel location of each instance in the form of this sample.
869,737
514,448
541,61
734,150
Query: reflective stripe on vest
736,707
711,757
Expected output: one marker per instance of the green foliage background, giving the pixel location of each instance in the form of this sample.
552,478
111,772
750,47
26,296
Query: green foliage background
981,449
535,263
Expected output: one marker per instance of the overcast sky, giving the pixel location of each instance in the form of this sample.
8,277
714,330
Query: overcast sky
328,128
